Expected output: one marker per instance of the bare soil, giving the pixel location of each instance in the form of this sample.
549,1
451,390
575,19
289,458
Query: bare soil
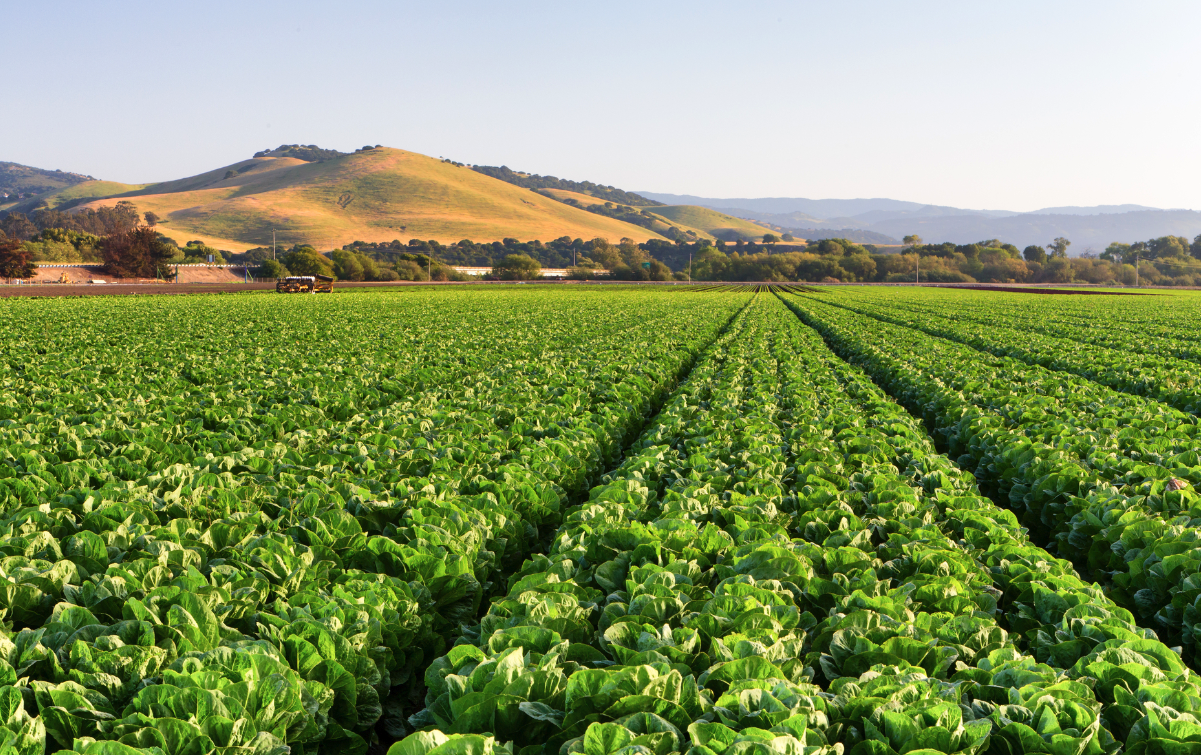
1026,290
158,287
113,289
45,274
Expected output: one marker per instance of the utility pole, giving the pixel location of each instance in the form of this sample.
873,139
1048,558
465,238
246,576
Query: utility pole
914,242
1136,256
272,243
690,268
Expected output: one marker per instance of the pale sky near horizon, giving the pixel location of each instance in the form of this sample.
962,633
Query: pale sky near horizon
1016,105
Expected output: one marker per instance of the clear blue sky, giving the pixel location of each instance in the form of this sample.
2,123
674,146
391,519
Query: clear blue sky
1013,105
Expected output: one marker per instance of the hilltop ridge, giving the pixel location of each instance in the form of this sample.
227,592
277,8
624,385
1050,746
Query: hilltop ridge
376,194
19,182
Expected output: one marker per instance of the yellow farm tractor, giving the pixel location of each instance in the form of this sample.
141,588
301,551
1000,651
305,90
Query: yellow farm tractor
305,284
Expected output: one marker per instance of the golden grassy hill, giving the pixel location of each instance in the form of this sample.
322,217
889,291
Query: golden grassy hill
659,226
378,195
711,222
74,194
706,223
90,190
562,194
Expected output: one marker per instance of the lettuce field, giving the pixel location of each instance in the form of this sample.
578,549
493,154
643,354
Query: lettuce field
601,521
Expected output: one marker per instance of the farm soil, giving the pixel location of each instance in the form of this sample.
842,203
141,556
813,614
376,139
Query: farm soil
187,275
1031,290
153,287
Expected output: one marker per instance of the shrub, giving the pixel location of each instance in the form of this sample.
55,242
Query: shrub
272,269
410,271
517,267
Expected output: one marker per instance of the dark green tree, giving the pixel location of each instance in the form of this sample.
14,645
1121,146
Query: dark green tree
272,269
305,260
658,271
347,266
139,253
1168,246
15,261
1034,253
1117,252
517,267
17,226
1059,247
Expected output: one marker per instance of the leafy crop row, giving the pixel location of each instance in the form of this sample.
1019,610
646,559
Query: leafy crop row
1087,468
1151,373
1155,323
782,564
190,587
1145,324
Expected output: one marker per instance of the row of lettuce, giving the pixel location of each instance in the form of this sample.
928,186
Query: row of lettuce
206,372
783,564
1107,478
1154,324
240,574
1128,363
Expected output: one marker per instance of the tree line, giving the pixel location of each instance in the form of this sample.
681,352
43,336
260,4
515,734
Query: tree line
129,244
527,181
104,221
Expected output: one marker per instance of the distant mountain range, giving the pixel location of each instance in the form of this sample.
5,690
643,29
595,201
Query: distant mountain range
1087,227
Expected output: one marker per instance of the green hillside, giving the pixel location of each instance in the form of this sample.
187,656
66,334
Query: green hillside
21,183
84,192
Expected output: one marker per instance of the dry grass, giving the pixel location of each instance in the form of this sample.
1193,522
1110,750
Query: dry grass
663,220
89,189
711,222
380,195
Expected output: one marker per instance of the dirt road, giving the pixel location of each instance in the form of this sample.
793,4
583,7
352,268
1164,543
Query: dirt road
119,289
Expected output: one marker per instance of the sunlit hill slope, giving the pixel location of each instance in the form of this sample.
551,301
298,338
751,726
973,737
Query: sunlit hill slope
375,195
703,222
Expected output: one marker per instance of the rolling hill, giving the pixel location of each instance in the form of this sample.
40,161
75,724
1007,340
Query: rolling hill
20,182
627,213
701,221
76,195
711,222
372,195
